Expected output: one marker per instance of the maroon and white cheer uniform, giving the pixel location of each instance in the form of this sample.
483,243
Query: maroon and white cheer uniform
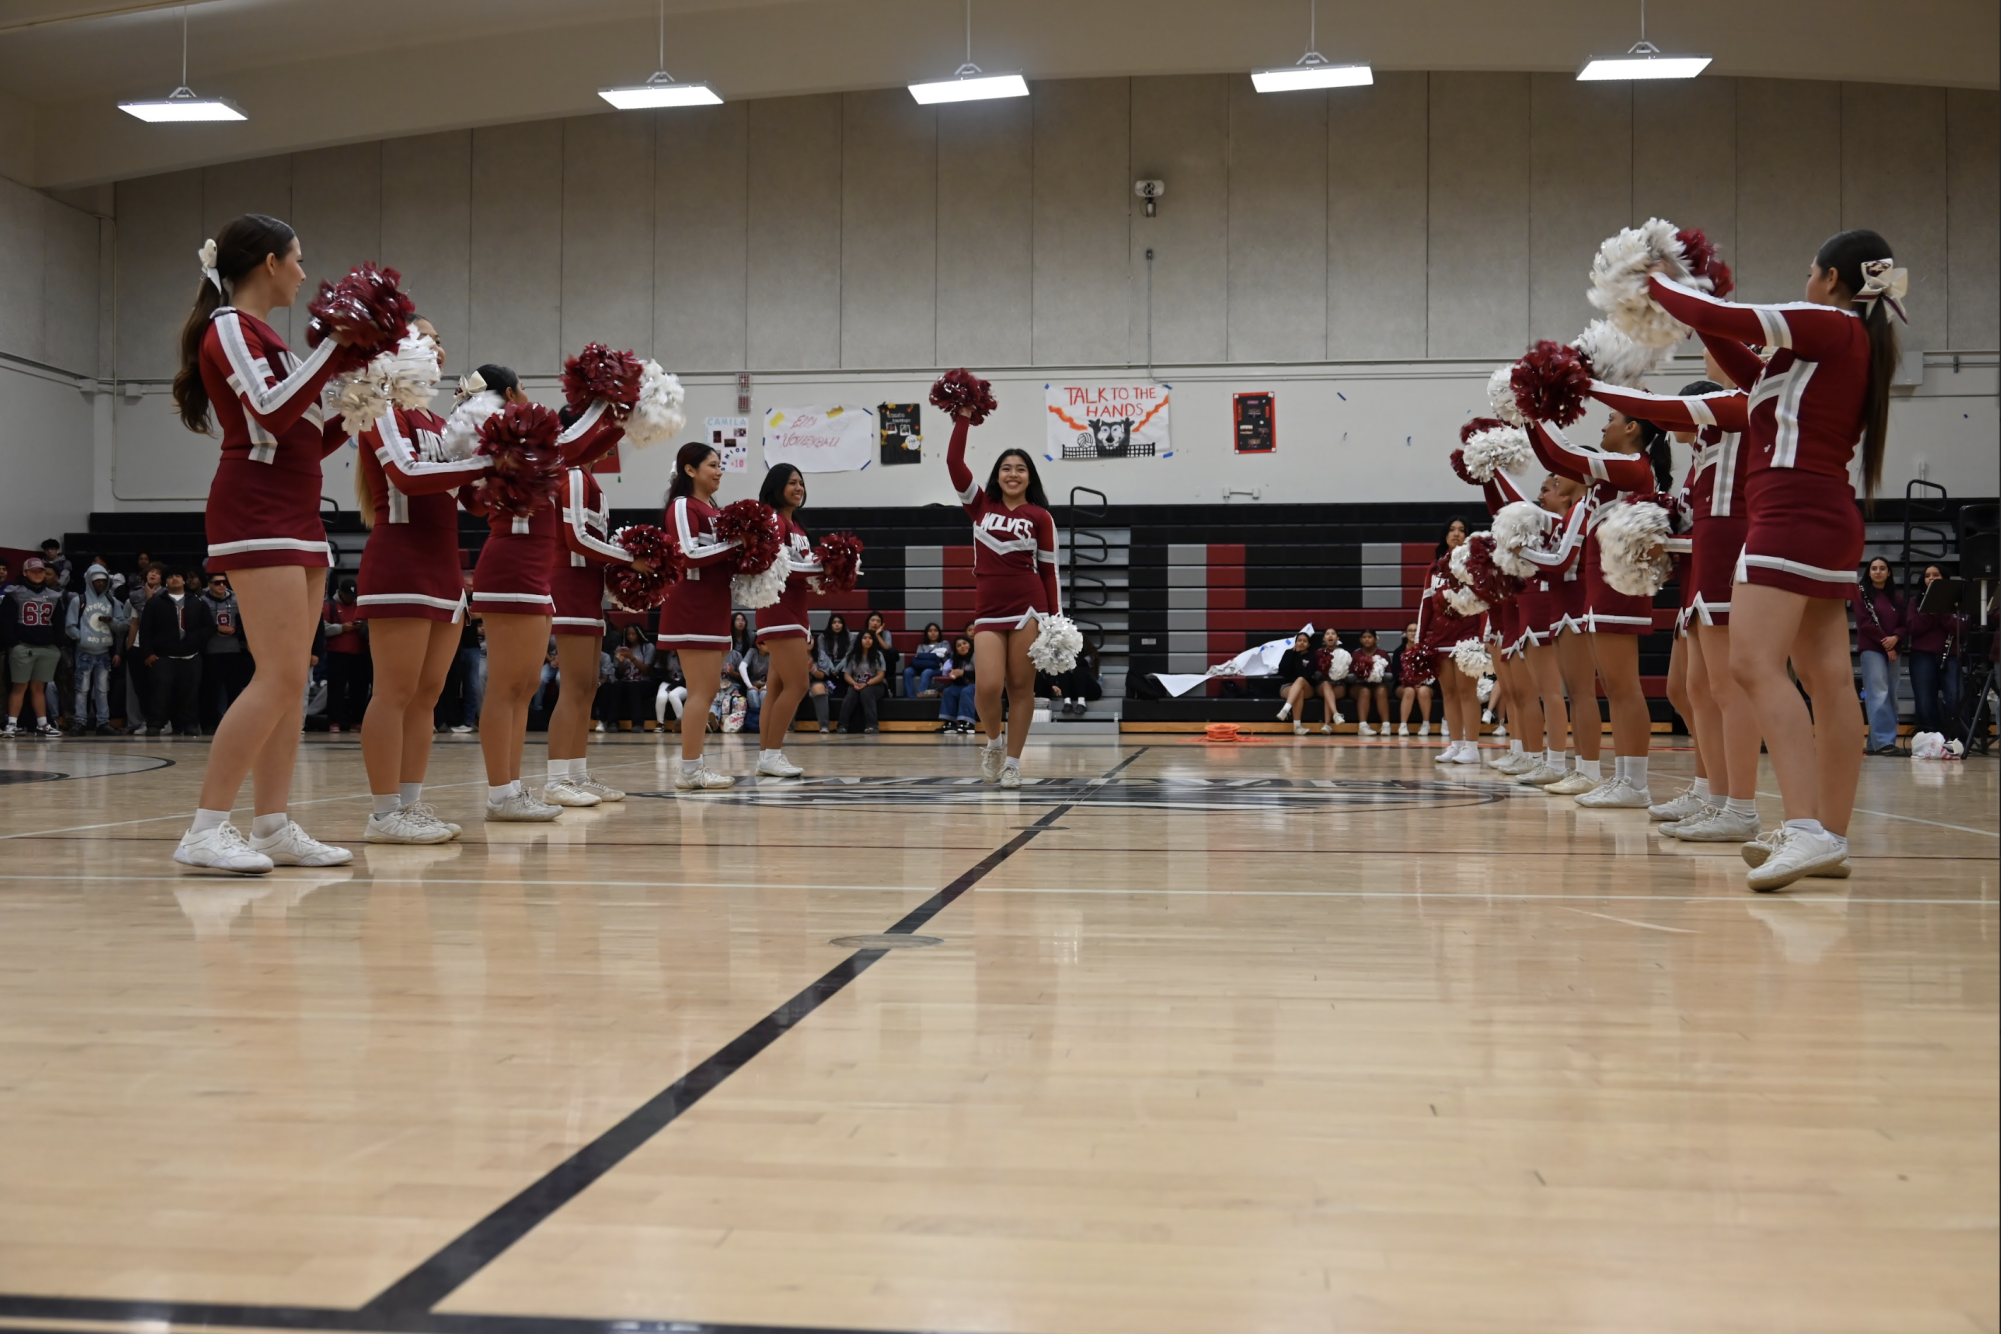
1014,550
786,619
1611,479
696,616
410,567
577,580
513,574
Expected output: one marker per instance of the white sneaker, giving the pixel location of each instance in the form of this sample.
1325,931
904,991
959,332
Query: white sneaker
424,812
1010,775
1447,754
1715,825
584,782
1403,729
10,731
1541,774
222,848
293,846
1503,760
1501,731
461,730
775,765
992,760
1796,854
48,731
1680,808
561,793
1424,729
1327,729
519,807
703,779
1469,753
1617,795
398,826
1363,729
1299,729
1762,848
1285,711
1572,784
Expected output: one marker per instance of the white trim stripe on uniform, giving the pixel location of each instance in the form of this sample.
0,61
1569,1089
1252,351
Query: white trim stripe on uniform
261,398
1799,569
267,544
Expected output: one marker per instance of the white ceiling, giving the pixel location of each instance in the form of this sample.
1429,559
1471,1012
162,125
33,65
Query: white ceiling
318,72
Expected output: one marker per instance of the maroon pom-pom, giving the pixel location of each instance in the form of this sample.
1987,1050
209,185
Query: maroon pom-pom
637,590
1703,262
526,467
369,306
1724,280
1489,582
840,556
754,525
596,373
962,389
1551,382
1459,466
1479,424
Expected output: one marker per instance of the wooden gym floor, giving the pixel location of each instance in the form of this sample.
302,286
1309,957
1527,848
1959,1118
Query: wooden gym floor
1293,1035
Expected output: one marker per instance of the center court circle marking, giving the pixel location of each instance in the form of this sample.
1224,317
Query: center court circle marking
1168,794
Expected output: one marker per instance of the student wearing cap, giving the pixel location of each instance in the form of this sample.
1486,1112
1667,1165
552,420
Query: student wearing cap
31,624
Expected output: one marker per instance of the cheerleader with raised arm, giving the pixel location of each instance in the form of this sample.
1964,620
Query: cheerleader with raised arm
1722,717
783,629
695,622
576,583
412,593
1014,583
1515,683
1539,617
1825,388
1562,564
263,527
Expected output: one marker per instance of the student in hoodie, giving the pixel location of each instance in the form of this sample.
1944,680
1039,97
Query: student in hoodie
98,622
226,664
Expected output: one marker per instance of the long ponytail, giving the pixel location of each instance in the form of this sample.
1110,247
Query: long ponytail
1846,253
240,246
1660,454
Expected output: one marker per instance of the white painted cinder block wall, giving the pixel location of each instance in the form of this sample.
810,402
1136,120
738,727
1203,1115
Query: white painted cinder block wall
1366,254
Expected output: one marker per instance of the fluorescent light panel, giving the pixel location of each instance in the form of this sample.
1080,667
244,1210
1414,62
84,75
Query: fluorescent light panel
1603,68
181,109
1295,78
640,96
978,88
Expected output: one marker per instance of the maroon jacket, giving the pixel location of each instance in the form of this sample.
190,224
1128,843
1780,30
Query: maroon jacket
1879,612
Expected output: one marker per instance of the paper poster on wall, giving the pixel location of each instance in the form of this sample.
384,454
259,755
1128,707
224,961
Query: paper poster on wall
1257,423
840,438
1108,421
902,432
731,437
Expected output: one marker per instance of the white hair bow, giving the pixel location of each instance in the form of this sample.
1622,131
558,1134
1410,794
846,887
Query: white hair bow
207,257
1882,278
470,385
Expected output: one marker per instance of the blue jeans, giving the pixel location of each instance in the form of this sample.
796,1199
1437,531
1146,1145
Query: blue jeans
956,701
473,661
549,674
916,681
1879,697
1934,687
93,679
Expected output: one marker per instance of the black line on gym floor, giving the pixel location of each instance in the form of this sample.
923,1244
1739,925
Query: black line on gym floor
484,1242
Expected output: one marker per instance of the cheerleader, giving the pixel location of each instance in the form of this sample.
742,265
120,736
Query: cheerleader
413,596
1361,667
1826,387
1632,457
576,584
1415,679
783,631
1014,581
263,527
1440,630
1539,617
1332,685
1514,683
1562,583
695,622
1725,724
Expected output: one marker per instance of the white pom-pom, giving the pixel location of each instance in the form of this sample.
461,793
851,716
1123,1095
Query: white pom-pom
1619,281
1457,564
1630,540
1485,690
762,589
411,371
361,398
1338,663
1464,602
1496,449
1501,395
1518,526
1057,644
1377,669
1615,358
1470,657
662,409
460,438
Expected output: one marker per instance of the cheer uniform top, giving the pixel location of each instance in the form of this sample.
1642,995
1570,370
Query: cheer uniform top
787,616
512,577
1612,479
264,504
1438,626
1564,579
696,615
1804,419
1014,550
1510,623
410,566
576,581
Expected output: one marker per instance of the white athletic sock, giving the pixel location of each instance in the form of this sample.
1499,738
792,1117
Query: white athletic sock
764,755
410,793
1012,762
263,826
1636,772
558,771
1589,768
12,721
1618,766
1515,748
1569,764
1807,826
496,795
1699,789
1741,806
1554,759
206,820
388,804
690,766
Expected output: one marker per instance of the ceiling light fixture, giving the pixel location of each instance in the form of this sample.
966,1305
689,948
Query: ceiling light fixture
1643,61
1312,70
660,90
969,83
183,105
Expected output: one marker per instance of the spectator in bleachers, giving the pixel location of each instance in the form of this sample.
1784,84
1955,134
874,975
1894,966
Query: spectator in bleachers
56,563
866,671
348,665
138,676
1937,641
631,693
96,625
1415,677
925,661
886,642
6,578
1072,691
670,687
1298,677
1879,641
31,627
1368,652
1332,692
551,675
465,684
226,665
956,705
752,667
175,630
830,650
